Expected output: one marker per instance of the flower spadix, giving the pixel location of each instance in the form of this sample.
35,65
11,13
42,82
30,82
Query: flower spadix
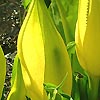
88,36
42,53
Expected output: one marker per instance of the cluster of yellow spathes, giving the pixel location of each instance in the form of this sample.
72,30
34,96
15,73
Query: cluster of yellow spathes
42,53
88,36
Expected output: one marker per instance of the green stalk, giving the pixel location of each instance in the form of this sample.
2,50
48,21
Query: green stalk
94,87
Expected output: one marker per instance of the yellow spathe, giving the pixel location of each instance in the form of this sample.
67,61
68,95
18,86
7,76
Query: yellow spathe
42,53
2,71
88,36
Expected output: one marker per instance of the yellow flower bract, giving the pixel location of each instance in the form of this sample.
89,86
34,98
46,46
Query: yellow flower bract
88,36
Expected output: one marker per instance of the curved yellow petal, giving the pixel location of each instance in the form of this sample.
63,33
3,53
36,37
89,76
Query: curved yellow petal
42,53
87,35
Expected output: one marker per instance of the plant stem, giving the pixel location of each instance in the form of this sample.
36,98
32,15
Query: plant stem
94,87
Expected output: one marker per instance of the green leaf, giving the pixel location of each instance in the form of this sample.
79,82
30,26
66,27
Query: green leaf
62,13
71,14
66,18
75,89
83,87
80,78
65,96
70,45
14,70
71,48
55,92
18,89
25,3
57,19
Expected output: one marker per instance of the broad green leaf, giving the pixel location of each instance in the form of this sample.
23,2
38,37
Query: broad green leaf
71,14
68,15
53,10
64,21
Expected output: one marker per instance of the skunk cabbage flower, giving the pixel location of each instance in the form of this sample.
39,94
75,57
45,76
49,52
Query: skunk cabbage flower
42,53
88,36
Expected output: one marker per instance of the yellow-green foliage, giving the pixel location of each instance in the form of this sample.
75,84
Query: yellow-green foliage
2,70
18,88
